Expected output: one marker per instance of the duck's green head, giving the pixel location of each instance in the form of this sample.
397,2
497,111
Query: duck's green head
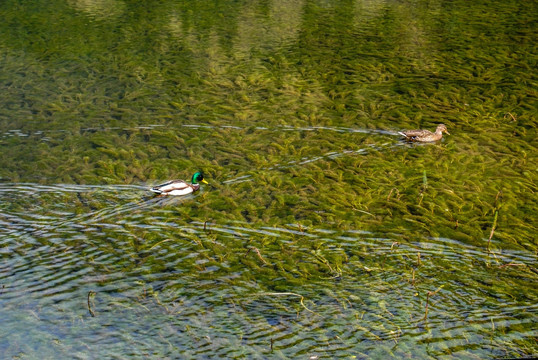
198,177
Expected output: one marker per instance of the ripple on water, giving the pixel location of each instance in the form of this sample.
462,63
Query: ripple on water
198,284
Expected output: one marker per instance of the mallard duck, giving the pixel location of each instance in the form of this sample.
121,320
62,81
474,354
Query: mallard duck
425,135
180,187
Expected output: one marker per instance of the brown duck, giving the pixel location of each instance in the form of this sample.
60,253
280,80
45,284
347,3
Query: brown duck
425,135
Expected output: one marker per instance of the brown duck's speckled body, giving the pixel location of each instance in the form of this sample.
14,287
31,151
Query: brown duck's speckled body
425,135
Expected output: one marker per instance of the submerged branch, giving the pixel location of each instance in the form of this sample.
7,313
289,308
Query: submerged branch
91,294
289,294
497,207
430,294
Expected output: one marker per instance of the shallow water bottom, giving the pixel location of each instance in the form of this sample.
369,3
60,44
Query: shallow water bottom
132,278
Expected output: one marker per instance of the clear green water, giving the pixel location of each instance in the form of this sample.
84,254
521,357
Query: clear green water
321,233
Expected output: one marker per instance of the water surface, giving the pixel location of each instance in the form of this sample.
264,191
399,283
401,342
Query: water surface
321,234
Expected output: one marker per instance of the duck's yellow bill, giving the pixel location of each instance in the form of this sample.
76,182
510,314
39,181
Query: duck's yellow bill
205,182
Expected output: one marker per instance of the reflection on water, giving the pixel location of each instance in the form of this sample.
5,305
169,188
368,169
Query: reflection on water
278,27
321,234
99,9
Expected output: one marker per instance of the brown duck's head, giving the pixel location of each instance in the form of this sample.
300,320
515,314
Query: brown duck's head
442,128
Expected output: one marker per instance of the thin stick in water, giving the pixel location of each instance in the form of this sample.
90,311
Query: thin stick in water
430,293
288,294
492,229
91,294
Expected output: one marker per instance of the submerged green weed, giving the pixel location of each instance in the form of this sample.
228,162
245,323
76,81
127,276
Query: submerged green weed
291,110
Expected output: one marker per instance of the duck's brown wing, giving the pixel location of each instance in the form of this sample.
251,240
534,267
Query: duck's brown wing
417,133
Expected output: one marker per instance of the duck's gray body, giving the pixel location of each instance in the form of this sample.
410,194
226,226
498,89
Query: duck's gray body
175,188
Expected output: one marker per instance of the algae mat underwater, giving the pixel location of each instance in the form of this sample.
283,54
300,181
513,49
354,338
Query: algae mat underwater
321,234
